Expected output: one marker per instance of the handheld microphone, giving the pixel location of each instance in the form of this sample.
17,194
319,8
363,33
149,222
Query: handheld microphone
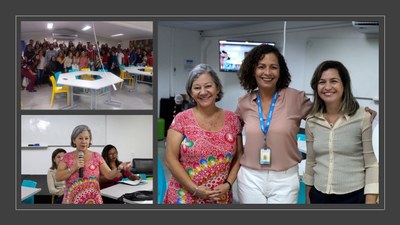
178,104
81,155
178,99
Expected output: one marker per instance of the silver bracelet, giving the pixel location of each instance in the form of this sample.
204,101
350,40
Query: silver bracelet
195,191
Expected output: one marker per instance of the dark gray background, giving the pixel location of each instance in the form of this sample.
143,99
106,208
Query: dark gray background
189,9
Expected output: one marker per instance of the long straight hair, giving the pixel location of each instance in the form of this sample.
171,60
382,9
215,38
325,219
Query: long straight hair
53,156
104,154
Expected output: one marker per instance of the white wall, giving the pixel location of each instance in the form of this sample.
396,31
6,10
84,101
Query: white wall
301,61
174,48
132,135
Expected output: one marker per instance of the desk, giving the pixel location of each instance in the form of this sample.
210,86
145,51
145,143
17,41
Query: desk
118,190
27,192
138,71
107,79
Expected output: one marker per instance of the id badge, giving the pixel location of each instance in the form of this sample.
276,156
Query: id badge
265,156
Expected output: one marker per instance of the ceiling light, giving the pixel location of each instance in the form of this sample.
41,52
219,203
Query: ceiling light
86,28
116,35
49,26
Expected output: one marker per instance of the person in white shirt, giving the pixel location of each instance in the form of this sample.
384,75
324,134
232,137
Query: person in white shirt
56,188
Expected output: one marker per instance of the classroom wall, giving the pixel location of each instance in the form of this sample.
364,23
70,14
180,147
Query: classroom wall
307,44
178,51
131,134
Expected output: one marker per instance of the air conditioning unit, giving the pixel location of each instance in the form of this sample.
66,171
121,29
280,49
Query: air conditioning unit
369,27
64,36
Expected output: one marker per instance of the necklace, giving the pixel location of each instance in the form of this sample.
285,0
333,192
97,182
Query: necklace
331,119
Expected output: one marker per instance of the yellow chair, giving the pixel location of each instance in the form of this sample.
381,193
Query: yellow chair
58,90
87,76
124,76
148,69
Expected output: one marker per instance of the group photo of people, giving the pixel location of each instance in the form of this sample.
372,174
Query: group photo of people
238,141
65,49
294,123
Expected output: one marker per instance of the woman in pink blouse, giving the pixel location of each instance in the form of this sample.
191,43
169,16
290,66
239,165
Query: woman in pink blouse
203,145
271,112
81,169
83,61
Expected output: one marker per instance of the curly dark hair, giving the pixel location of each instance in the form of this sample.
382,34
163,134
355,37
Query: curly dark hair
246,71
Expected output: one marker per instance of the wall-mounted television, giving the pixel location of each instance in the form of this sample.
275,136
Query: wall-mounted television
232,53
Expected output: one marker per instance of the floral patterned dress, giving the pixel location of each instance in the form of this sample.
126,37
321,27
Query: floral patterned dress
206,157
87,189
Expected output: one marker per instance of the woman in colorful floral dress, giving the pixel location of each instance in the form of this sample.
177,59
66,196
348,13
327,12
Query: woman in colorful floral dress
203,145
85,189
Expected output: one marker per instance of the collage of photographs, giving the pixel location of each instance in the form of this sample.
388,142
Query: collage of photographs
150,113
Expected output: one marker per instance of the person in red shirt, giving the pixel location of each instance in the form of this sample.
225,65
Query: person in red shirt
150,59
27,71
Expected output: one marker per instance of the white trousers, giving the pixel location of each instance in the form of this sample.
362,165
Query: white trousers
268,187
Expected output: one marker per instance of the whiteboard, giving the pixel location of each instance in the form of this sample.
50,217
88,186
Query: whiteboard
132,135
55,130
359,55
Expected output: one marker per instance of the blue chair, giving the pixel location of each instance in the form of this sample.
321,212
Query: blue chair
56,75
101,70
302,193
74,70
301,143
162,182
29,183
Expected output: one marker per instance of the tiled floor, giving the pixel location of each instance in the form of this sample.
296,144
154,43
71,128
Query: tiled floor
141,98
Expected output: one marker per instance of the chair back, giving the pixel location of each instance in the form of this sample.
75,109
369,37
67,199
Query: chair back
100,70
148,69
56,75
32,184
53,83
86,76
121,73
162,182
143,165
125,76
56,90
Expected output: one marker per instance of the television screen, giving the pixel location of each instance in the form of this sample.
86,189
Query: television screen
232,53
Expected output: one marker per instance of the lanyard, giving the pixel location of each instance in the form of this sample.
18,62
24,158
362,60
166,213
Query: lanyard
265,127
